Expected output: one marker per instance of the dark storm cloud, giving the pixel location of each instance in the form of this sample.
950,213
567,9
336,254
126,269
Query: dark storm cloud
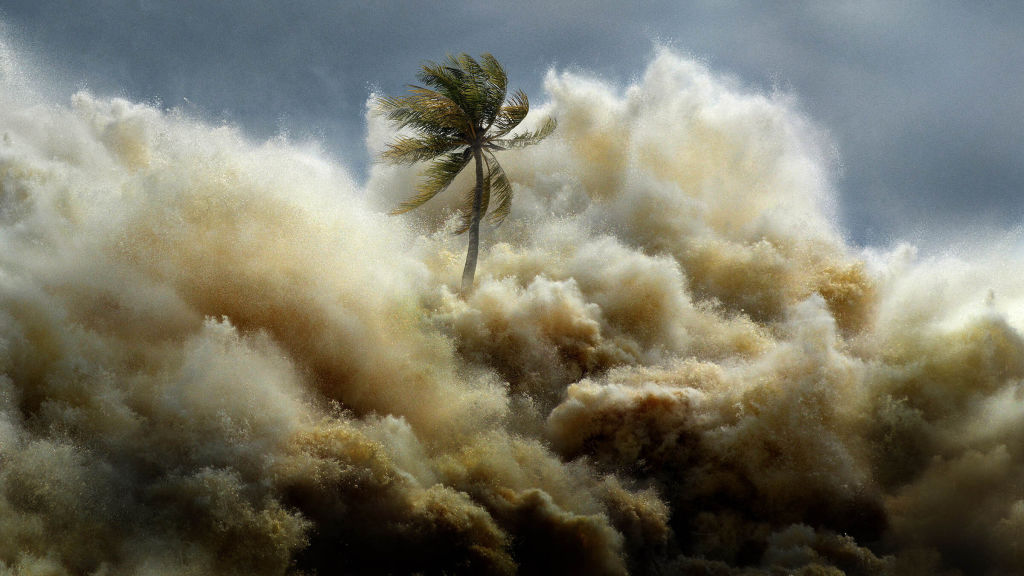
923,101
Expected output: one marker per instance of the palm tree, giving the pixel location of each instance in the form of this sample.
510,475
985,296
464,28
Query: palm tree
460,113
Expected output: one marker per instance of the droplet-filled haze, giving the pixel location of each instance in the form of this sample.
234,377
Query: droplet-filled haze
704,341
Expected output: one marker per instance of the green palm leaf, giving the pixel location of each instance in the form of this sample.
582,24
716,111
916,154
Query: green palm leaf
439,175
445,80
526,138
425,111
511,114
494,87
459,111
412,149
500,189
466,209
489,64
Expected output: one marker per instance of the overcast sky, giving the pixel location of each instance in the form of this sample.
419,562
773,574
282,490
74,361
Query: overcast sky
924,100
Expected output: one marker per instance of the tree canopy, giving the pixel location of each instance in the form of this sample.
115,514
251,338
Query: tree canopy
460,112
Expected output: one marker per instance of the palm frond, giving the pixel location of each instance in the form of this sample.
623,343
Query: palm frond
446,80
466,209
481,86
465,221
526,138
411,149
439,109
465,82
511,114
459,95
495,88
460,107
495,72
425,111
437,177
500,189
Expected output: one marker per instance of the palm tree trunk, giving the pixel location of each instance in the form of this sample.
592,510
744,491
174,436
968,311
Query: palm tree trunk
474,226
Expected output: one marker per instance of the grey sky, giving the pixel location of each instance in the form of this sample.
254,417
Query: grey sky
924,100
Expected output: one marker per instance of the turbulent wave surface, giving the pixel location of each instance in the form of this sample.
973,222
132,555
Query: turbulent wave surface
220,357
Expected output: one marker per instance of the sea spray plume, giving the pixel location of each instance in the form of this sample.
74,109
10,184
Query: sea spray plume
206,366
204,369
460,114
797,404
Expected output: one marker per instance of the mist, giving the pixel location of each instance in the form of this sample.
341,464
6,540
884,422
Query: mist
219,355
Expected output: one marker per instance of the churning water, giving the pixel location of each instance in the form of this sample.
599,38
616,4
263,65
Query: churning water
219,356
